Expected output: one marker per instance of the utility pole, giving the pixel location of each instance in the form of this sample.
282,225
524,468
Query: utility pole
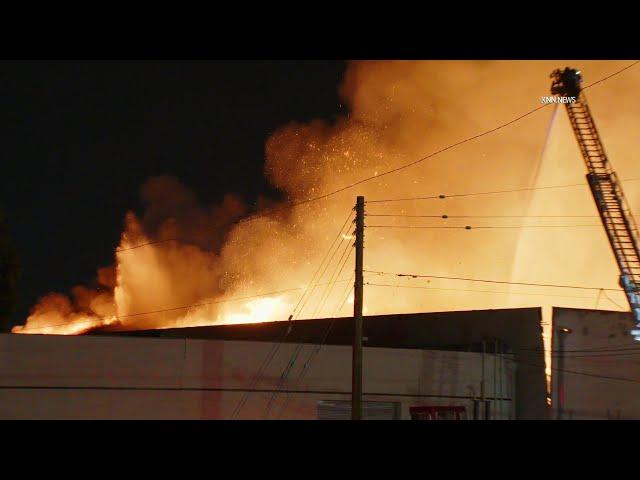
562,332
356,364
494,410
484,348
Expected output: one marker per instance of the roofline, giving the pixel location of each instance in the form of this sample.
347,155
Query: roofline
108,331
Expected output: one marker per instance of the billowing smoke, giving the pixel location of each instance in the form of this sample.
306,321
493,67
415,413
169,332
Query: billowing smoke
181,263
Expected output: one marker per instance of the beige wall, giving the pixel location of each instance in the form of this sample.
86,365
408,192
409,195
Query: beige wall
599,346
111,377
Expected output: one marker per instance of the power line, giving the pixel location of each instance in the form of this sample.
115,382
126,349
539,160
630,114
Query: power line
331,248
476,227
613,301
346,254
595,355
475,291
98,321
586,374
315,351
415,275
336,274
149,243
432,197
321,275
586,350
612,75
221,389
443,196
292,359
183,307
415,162
605,351
323,299
445,216
274,350
195,305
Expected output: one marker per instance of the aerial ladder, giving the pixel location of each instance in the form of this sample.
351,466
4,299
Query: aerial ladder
605,186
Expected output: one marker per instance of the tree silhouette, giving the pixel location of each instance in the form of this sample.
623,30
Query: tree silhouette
9,271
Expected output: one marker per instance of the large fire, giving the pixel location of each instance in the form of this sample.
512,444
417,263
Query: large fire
183,264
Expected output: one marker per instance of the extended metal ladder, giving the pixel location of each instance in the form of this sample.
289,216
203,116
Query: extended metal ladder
605,187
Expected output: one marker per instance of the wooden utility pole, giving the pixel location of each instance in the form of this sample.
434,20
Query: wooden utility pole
562,332
356,364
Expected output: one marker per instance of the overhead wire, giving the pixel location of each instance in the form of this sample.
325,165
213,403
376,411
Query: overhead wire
482,280
479,227
420,160
276,346
98,321
584,350
331,249
477,291
445,216
164,310
298,349
586,374
444,196
346,254
613,301
595,355
325,296
307,364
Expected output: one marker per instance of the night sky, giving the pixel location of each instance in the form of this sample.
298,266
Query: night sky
80,137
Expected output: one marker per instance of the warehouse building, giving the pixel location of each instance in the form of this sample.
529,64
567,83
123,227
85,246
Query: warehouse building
596,366
464,361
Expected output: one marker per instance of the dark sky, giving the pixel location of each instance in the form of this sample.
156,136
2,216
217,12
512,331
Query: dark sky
80,137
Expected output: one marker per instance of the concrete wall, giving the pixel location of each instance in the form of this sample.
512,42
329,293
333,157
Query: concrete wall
601,365
520,329
93,377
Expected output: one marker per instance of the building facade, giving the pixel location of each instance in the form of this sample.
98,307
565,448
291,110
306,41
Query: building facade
119,377
595,364
489,362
